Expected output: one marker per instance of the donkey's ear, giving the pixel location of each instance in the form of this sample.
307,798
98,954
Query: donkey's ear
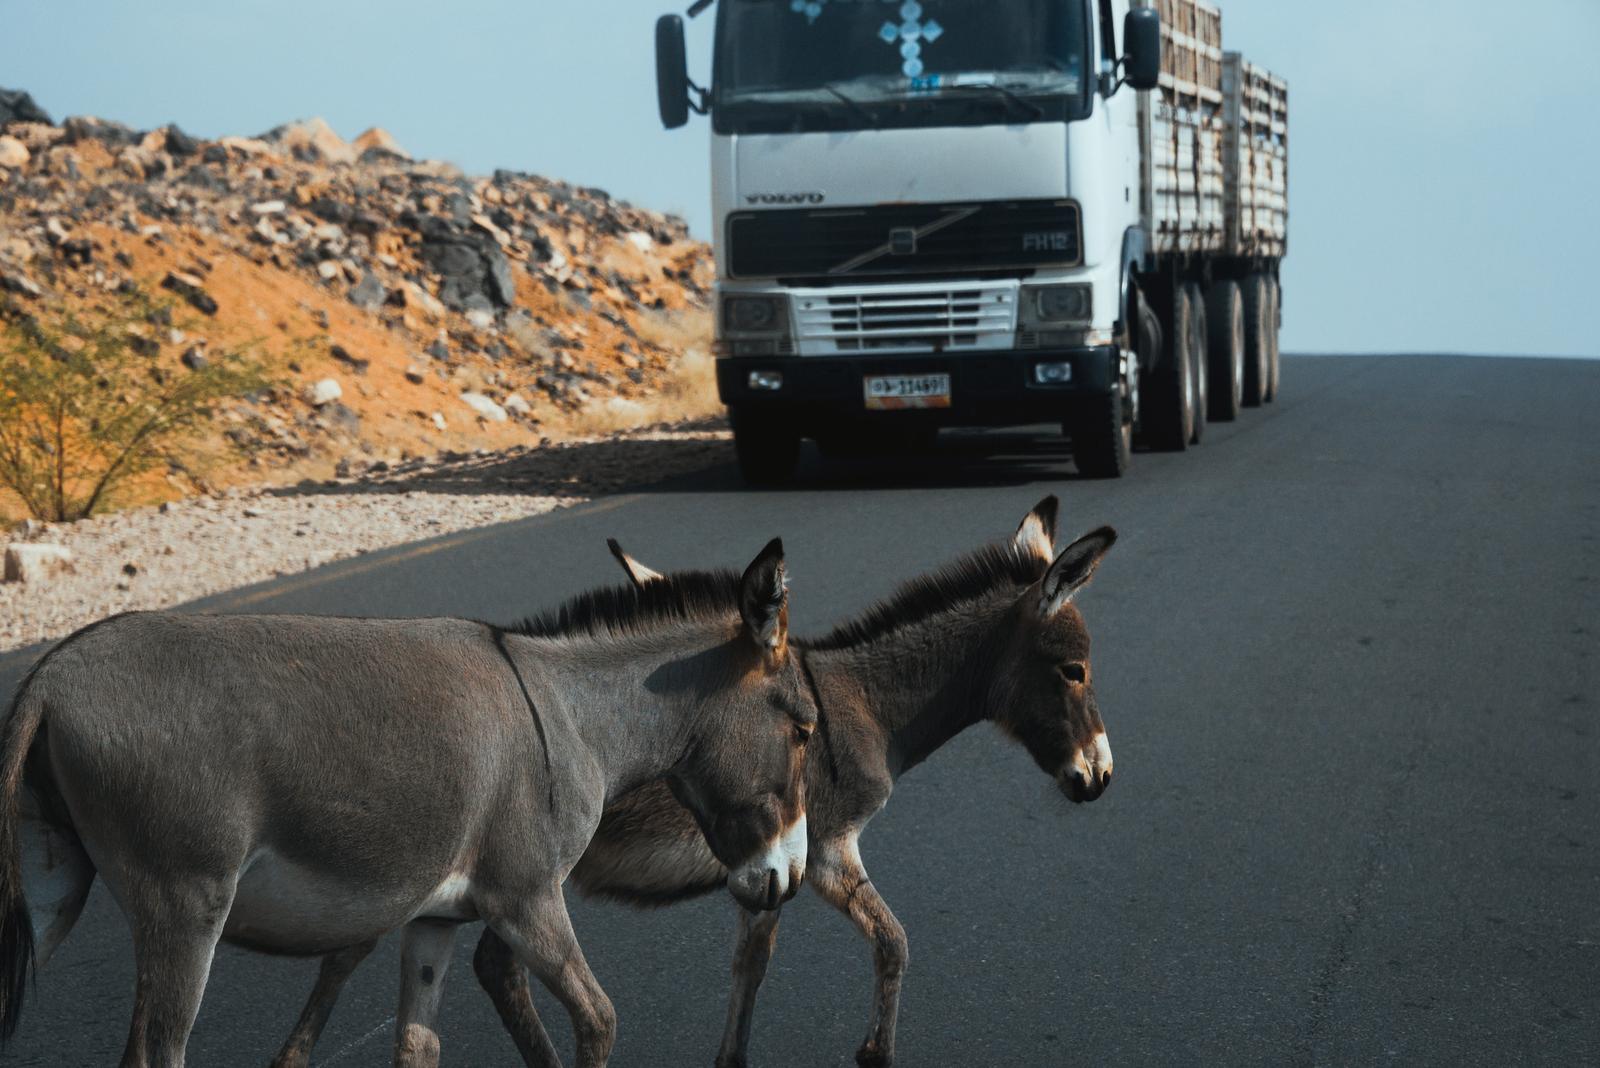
1037,534
1073,569
764,598
638,574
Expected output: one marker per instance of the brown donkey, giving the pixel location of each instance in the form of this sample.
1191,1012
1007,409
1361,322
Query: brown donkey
992,637
305,785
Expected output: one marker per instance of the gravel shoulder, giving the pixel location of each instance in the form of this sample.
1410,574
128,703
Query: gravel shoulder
150,558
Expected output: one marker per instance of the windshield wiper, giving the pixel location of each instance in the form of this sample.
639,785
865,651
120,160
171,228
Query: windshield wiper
854,104
992,87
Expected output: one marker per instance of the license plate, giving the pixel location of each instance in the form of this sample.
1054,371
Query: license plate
888,393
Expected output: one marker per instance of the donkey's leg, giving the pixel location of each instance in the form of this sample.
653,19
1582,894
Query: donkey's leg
505,980
336,969
425,952
175,932
540,932
753,950
839,877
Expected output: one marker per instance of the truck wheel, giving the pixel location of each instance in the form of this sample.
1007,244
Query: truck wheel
1274,332
1199,360
768,448
1168,420
1225,318
1102,436
1257,347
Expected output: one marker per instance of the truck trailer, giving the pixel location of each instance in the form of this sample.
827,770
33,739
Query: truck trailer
981,213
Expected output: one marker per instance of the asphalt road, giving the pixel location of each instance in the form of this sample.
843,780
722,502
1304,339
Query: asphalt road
1346,654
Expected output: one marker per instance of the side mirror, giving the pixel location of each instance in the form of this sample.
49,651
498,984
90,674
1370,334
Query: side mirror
1141,36
672,72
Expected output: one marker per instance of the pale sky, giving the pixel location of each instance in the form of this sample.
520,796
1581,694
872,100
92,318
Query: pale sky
1443,156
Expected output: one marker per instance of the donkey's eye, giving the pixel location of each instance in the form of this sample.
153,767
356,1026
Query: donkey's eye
1076,674
802,733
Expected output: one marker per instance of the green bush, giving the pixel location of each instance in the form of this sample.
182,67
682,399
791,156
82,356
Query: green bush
86,405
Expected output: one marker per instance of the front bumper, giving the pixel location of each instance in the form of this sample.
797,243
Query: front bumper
986,388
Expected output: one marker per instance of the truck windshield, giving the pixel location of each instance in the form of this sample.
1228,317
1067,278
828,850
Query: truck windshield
795,65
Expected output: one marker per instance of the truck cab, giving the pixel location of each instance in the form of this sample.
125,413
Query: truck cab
927,213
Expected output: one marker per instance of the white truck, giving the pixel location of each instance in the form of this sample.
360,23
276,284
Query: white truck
935,213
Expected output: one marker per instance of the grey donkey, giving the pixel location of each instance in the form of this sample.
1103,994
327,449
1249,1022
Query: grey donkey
991,637
304,785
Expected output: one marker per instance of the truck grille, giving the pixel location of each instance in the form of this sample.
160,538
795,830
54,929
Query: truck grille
904,239
971,317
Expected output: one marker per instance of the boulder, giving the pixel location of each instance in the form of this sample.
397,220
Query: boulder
311,140
36,563
469,263
18,106
180,144
14,155
377,144
324,392
486,408
369,293
191,289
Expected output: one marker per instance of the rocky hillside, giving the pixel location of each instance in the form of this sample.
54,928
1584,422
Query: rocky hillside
403,308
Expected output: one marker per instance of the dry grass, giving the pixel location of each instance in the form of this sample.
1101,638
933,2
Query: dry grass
686,393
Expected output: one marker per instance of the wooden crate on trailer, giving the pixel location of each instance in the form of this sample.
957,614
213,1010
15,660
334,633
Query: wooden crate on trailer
1256,111
1187,198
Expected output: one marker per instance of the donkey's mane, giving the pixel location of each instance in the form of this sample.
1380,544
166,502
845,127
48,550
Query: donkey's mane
616,611
1001,566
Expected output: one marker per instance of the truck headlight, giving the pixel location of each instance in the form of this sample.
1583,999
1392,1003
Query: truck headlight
1065,304
754,315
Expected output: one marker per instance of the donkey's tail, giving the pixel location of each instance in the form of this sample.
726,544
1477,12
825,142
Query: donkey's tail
16,926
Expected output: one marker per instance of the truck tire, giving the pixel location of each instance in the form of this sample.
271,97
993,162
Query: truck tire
768,447
1102,436
1257,346
1274,333
1225,320
1199,360
1168,421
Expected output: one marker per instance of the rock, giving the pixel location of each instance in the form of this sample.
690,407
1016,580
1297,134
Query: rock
17,282
439,350
416,375
369,293
438,421
516,405
110,134
470,264
18,106
310,140
641,241
324,392
355,363
195,358
36,562
269,207
481,318
380,144
14,155
29,529
181,144
486,408
329,270
191,289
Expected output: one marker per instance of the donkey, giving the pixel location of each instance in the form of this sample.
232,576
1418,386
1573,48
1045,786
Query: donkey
302,785
993,636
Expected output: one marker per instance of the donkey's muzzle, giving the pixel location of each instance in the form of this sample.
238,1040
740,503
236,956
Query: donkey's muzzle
1080,785
769,880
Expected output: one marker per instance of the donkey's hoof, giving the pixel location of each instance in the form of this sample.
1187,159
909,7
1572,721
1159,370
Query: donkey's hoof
726,1061
871,1056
